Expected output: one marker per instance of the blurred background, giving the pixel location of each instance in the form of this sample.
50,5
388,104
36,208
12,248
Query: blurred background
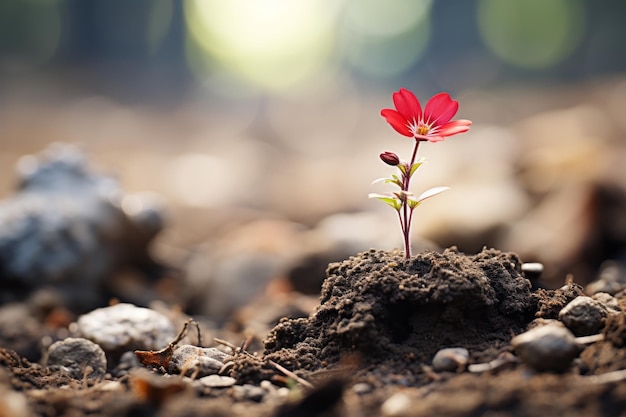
256,123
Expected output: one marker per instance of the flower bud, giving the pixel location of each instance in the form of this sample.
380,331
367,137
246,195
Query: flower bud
390,158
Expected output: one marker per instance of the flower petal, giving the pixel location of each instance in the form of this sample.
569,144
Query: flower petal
440,109
407,104
454,127
397,121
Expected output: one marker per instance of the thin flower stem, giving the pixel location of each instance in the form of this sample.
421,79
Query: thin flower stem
401,222
411,216
406,227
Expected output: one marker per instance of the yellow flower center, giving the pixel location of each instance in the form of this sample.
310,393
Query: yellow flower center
422,129
419,127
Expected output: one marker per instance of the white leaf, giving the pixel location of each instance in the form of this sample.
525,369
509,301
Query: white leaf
431,193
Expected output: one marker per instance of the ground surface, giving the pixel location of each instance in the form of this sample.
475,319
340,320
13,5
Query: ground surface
366,350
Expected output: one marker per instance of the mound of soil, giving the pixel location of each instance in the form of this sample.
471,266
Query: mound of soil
383,312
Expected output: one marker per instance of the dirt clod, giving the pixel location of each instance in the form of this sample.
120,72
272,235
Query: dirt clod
385,309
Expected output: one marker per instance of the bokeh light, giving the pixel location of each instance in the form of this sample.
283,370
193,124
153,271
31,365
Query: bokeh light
531,33
159,22
384,39
272,44
30,32
140,29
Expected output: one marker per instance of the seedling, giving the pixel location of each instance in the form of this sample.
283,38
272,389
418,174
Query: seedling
433,124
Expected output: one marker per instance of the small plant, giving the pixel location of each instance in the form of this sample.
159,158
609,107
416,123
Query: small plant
433,124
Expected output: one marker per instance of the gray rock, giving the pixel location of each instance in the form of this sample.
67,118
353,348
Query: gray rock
80,358
127,362
451,360
20,331
611,279
608,301
584,316
123,327
248,392
546,348
67,226
194,360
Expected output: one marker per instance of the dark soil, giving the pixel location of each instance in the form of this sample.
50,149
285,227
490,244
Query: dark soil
380,321
394,314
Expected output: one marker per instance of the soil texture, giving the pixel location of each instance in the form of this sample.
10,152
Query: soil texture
366,350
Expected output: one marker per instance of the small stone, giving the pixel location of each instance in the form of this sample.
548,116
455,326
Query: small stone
78,357
123,327
248,392
532,270
127,361
217,381
451,360
611,279
283,392
546,348
543,322
189,359
583,316
362,388
396,405
14,403
111,386
268,386
608,301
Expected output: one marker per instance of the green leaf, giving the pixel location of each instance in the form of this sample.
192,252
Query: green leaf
396,180
412,203
391,201
403,167
416,165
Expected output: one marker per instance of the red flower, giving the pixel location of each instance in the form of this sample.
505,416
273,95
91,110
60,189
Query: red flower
433,124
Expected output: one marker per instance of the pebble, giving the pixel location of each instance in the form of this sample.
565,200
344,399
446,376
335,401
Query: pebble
396,405
268,386
608,301
362,388
19,330
189,359
532,270
451,360
14,403
217,381
538,322
248,392
80,358
611,279
546,348
123,327
127,361
584,316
